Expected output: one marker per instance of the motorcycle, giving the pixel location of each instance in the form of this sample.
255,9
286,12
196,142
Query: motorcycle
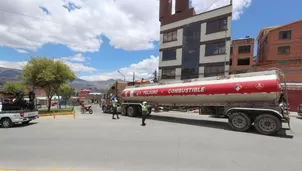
85,109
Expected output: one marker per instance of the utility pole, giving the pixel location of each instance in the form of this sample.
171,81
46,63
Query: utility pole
133,79
116,90
155,80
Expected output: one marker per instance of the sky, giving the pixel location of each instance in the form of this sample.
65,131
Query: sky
98,38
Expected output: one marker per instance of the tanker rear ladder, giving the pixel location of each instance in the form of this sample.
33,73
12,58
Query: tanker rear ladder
267,116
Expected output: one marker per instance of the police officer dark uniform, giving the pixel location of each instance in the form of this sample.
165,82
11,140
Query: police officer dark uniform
114,105
144,112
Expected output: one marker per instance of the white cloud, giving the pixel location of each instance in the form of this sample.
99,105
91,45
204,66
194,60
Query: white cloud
206,5
128,24
143,69
79,67
21,51
74,66
13,64
78,58
76,63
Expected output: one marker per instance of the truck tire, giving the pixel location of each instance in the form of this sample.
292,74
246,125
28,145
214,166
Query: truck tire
132,111
6,123
239,121
267,124
124,110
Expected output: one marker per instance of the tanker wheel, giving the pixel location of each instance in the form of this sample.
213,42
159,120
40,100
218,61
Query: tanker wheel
239,121
267,124
124,110
132,111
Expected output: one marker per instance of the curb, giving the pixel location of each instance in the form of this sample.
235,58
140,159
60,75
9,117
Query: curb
59,113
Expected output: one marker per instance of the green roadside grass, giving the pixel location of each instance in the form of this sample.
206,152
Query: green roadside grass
44,111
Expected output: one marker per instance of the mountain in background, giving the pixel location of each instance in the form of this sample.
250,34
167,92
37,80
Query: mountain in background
8,74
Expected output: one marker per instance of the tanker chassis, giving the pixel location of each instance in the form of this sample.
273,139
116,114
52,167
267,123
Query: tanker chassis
246,99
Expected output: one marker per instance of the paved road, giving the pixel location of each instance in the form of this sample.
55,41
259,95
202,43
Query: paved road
189,142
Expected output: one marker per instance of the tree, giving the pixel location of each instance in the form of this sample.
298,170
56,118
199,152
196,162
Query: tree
47,74
66,91
14,87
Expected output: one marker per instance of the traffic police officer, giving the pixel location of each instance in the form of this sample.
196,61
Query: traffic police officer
144,112
114,105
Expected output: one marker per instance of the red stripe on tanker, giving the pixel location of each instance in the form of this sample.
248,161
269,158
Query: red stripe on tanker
266,86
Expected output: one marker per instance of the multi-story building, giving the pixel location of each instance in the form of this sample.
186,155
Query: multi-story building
281,47
194,45
242,55
280,43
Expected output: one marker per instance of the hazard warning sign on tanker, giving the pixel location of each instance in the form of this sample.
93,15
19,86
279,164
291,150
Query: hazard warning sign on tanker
259,86
237,87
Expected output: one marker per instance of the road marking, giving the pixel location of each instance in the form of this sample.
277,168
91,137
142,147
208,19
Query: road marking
50,169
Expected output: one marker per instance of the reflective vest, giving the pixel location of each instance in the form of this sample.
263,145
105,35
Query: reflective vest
113,103
144,108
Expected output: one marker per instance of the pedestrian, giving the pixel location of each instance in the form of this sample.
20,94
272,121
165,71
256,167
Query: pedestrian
144,113
114,105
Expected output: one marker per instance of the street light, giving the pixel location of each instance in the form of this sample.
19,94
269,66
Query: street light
122,75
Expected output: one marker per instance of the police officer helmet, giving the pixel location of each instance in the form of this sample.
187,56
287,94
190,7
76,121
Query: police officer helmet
144,102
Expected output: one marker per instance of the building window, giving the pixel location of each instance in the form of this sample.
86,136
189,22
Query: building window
217,25
169,54
285,35
170,36
168,73
231,60
215,48
189,73
231,51
243,61
211,71
244,49
284,50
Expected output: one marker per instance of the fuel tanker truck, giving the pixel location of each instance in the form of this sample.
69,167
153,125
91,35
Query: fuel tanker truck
250,98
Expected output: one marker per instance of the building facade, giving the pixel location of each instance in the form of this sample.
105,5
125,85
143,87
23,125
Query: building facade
281,47
242,55
84,93
193,46
280,42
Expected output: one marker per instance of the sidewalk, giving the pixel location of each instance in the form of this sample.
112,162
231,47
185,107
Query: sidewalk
294,114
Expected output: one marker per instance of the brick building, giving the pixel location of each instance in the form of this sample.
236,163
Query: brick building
281,47
193,45
242,55
280,42
83,93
